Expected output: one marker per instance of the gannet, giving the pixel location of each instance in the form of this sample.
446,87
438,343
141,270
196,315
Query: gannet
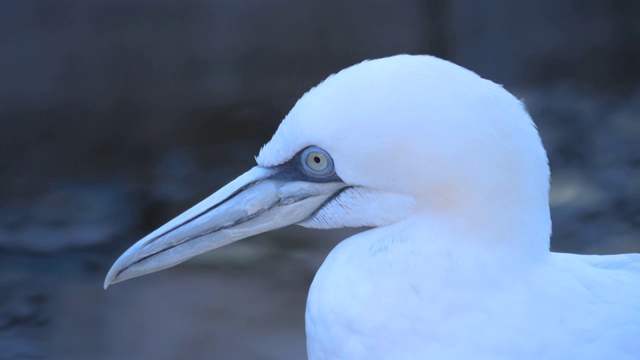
449,173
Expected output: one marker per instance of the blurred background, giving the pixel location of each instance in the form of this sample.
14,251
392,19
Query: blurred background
116,115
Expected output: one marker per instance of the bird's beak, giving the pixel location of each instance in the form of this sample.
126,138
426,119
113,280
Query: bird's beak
258,201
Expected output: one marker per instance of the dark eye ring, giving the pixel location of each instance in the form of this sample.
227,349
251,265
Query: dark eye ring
316,161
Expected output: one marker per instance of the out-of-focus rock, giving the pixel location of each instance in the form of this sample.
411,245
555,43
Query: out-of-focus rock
70,216
566,116
21,320
19,305
591,140
620,134
12,347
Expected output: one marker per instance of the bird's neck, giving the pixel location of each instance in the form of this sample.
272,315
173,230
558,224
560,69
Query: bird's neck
447,250
472,235
503,217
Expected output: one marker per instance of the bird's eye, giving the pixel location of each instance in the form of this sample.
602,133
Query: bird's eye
316,162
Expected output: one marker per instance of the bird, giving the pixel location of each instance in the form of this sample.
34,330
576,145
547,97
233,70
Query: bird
447,173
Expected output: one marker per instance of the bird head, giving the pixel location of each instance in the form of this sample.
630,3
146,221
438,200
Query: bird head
373,145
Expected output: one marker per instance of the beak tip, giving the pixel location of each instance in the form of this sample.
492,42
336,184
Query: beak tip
115,273
121,269
110,279
114,277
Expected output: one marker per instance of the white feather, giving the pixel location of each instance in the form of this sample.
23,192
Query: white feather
450,169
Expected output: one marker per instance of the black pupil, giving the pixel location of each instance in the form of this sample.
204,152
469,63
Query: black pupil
316,159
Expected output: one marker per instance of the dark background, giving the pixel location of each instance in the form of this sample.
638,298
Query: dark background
116,115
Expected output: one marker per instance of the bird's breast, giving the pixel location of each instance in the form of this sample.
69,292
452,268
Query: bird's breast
356,308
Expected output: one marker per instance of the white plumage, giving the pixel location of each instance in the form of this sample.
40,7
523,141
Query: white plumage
450,171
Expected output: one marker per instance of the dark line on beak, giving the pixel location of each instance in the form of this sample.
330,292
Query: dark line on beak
290,170
197,236
237,222
212,207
